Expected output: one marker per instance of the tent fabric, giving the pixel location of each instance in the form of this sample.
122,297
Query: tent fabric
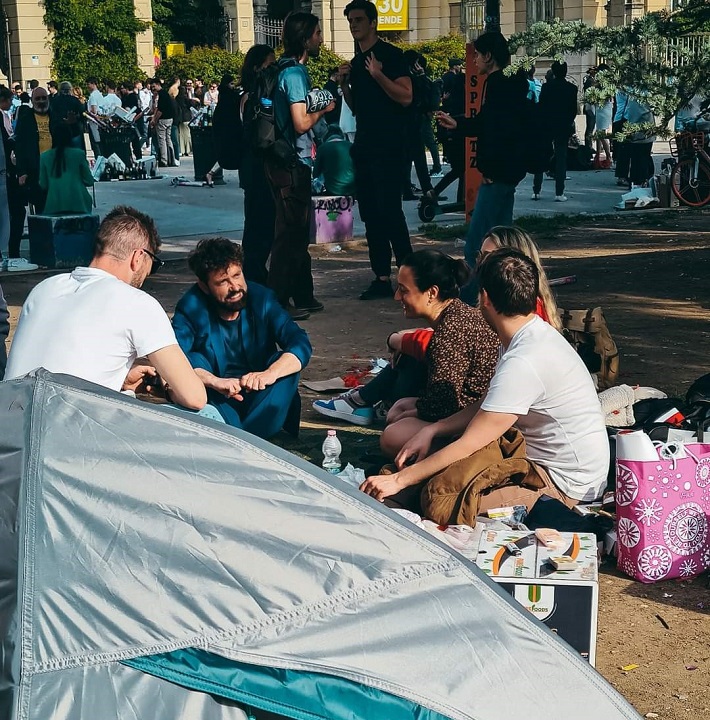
129,531
287,692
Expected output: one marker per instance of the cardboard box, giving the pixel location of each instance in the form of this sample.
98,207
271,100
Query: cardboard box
567,602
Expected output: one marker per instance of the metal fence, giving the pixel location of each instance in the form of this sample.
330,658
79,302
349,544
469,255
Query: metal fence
268,31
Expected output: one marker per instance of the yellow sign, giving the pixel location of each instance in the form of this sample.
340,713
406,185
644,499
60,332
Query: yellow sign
174,49
392,14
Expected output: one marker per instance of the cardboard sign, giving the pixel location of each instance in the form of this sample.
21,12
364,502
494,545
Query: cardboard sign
474,97
392,14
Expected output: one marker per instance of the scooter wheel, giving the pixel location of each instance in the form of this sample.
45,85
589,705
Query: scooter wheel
427,212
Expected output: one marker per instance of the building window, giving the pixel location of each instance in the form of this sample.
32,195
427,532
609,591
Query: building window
473,18
540,11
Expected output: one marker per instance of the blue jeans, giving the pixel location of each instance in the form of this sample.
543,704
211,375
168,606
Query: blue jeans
494,206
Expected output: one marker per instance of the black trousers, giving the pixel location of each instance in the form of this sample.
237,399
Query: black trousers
378,185
640,163
455,151
258,236
16,201
290,275
430,143
405,379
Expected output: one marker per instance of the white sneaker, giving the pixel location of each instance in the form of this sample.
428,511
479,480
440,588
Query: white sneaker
560,198
176,163
19,265
535,196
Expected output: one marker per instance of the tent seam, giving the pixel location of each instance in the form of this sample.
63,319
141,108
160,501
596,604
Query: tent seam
275,622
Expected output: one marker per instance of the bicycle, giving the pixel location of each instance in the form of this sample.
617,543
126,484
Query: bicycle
690,179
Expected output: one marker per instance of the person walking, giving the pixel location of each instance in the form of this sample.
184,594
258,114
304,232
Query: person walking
558,107
378,88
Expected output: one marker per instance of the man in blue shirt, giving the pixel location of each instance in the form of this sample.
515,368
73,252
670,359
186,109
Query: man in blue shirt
241,342
290,275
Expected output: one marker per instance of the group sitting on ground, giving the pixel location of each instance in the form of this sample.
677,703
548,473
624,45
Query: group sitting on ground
491,405
96,324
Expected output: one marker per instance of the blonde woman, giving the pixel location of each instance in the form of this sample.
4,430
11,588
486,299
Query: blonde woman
517,239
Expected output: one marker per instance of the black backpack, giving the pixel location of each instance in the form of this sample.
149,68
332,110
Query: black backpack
228,130
261,130
425,95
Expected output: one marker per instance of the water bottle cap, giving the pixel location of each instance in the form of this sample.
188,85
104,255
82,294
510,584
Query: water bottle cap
331,433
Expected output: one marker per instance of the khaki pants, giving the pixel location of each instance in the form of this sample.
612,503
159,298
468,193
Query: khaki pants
514,495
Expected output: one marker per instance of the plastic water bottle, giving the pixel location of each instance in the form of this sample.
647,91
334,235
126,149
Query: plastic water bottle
331,452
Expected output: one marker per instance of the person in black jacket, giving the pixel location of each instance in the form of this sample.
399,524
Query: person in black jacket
501,148
558,107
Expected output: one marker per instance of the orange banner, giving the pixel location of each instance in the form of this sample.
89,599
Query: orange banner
474,96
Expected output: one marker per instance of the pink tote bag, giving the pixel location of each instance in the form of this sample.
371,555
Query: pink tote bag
662,509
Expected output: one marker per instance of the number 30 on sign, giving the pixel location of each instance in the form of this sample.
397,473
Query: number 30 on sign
393,14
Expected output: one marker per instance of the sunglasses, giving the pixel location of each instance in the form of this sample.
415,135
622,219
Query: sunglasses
157,263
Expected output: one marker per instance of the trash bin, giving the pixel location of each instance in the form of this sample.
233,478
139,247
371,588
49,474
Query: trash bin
117,140
204,154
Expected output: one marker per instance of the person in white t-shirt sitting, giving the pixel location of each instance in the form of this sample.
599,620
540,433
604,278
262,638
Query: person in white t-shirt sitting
94,323
540,386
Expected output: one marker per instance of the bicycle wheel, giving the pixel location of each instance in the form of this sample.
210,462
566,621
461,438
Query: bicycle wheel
691,192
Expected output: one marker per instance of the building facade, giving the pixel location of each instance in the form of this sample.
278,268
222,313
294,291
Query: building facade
25,48
25,53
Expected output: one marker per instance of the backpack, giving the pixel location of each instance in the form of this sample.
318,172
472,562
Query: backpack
588,333
261,130
228,131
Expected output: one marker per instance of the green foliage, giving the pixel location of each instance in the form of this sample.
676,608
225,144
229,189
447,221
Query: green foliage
93,37
652,59
193,22
207,63
318,68
438,52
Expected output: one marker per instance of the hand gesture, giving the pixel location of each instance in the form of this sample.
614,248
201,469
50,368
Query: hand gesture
446,121
229,387
344,73
22,179
416,448
382,486
257,380
373,66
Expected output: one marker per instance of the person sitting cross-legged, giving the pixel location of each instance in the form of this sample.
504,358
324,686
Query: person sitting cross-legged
243,344
541,387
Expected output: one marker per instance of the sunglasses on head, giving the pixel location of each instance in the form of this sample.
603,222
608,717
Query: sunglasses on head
157,263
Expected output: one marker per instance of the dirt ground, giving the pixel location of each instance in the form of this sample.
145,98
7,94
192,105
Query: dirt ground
649,272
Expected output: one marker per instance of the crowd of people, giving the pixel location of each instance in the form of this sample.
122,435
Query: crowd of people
491,367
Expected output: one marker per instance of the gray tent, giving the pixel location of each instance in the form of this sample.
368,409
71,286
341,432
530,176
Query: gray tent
154,566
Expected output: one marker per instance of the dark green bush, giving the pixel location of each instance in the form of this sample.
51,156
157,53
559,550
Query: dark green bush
438,52
207,63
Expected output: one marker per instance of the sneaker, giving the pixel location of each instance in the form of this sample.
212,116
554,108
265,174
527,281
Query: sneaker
310,306
535,196
19,265
378,289
436,174
176,163
561,198
339,407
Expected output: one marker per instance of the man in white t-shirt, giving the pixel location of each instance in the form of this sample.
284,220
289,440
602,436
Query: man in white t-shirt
540,385
95,322
93,105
